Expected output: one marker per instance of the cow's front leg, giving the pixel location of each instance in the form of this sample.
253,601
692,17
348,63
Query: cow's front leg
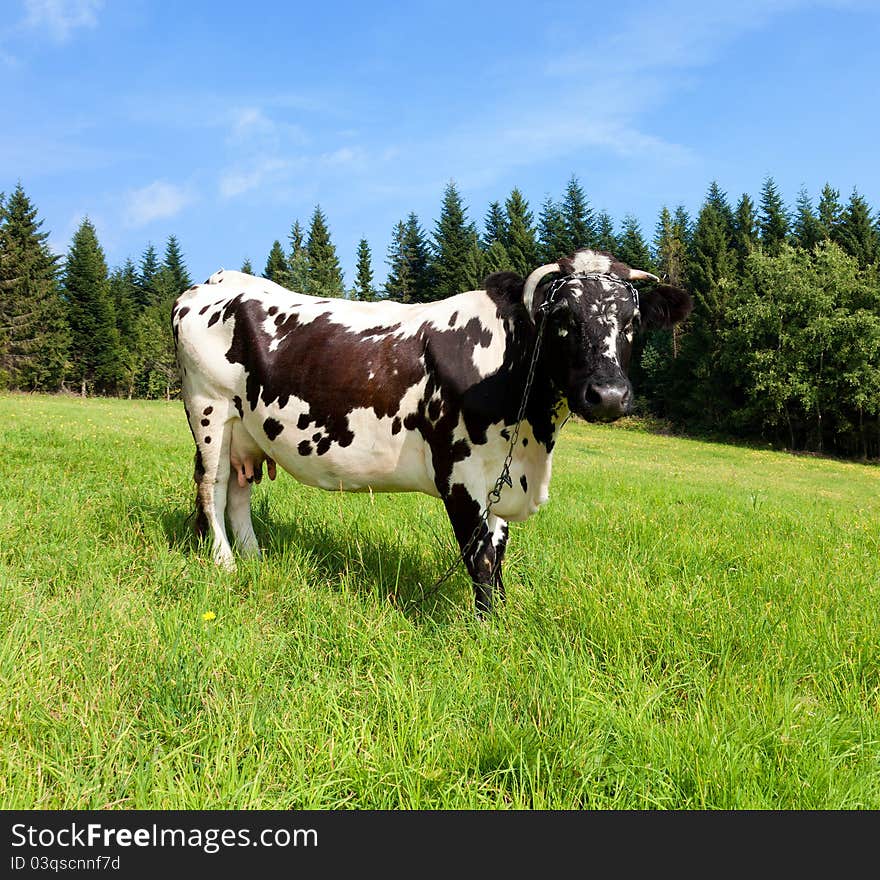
499,541
475,539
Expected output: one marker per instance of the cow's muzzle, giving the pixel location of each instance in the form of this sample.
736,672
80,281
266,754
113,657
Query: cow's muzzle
606,401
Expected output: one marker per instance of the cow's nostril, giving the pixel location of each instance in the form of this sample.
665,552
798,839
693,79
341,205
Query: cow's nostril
593,396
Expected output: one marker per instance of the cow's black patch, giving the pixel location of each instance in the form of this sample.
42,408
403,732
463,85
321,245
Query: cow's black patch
204,309
272,427
396,425
303,421
183,313
213,319
206,422
237,401
207,410
207,439
453,318
323,445
304,448
525,441
505,433
272,310
524,483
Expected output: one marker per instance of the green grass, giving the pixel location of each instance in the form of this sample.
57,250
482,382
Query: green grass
688,625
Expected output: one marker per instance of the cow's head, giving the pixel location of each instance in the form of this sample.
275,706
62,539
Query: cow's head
591,312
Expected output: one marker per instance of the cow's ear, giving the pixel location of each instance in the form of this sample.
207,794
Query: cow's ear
664,306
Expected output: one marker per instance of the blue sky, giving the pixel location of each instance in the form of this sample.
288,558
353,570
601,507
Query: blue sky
223,123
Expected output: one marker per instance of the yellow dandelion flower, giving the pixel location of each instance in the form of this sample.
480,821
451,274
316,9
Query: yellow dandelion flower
208,615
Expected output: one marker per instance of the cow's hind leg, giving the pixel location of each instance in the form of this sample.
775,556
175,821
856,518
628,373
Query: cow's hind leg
478,542
238,508
212,430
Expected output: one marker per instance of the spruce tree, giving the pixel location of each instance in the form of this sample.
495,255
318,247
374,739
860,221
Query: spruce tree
34,336
496,259
276,264
363,284
580,224
717,203
857,232
519,240
95,352
124,296
475,265
745,227
324,272
399,281
453,236
806,230
830,212
631,247
418,255
246,267
149,269
670,249
553,238
174,263
298,261
605,237
773,220
495,225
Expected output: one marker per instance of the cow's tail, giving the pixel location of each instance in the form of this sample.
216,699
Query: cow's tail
201,521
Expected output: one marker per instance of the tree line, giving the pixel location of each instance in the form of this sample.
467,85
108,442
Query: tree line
783,342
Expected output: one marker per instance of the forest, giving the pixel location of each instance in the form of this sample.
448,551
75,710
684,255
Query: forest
783,345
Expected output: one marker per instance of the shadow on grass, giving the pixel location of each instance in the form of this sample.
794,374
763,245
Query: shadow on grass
342,557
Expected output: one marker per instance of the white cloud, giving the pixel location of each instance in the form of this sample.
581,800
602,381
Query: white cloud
61,17
156,201
239,181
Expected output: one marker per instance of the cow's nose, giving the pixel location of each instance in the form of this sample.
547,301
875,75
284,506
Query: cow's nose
607,402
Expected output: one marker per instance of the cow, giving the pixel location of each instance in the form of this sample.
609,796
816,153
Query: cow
391,397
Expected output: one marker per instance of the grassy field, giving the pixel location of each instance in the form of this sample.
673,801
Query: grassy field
688,626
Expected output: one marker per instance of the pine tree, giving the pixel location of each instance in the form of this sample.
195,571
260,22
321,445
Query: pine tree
773,220
830,212
324,272
553,238
519,240
149,269
34,336
631,247
276,265
580,225
174,263
858,233
95,351
298,261
807,230
745,227
495,225
363,285
453,236
246,267
605,238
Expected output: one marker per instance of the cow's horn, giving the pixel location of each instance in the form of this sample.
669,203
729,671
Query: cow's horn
641,275
532,283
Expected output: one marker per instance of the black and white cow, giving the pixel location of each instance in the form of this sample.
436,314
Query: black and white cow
388,397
